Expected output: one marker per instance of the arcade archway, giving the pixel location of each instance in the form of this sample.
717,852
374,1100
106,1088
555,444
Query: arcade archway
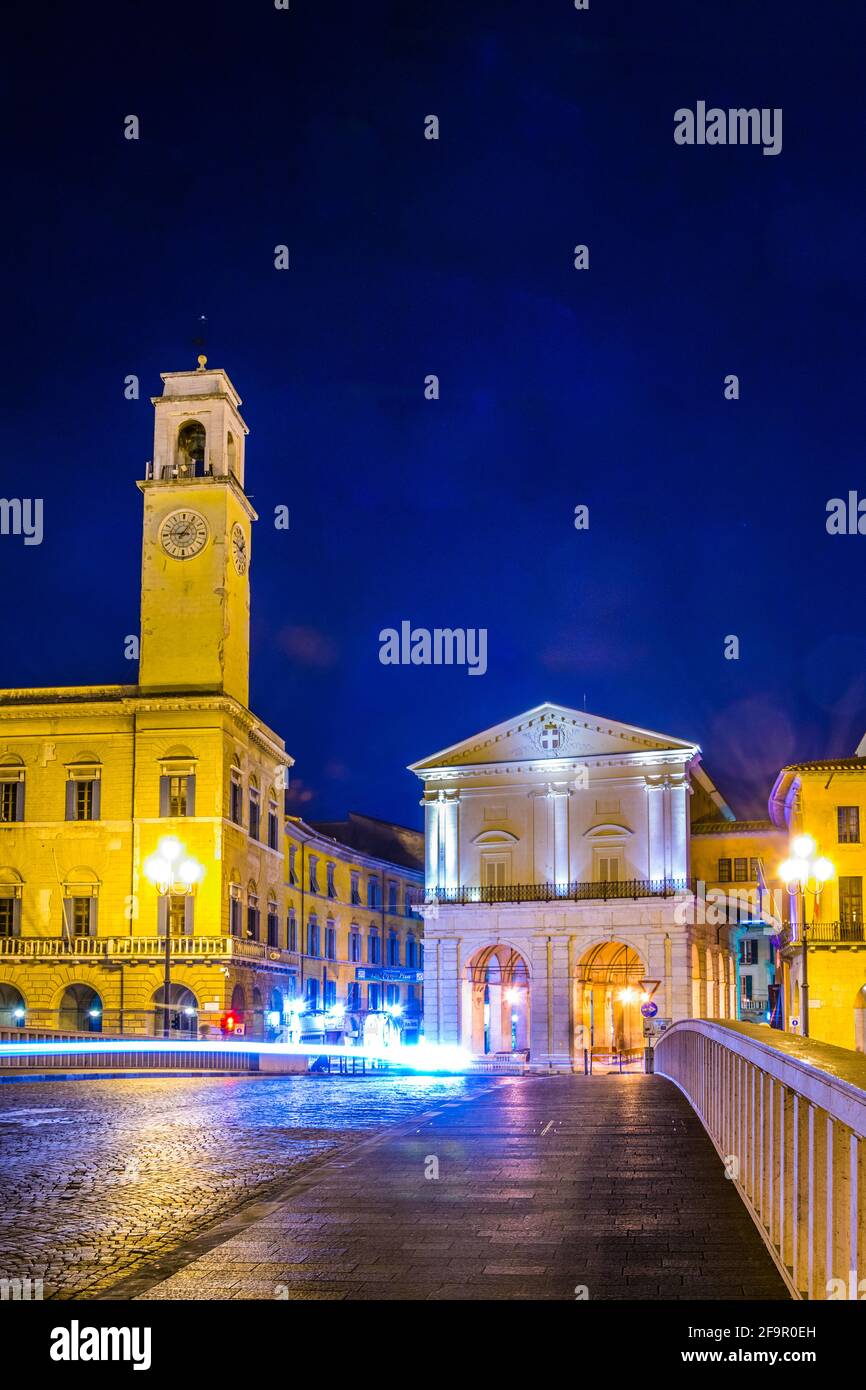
609,978
80,1010
495,1001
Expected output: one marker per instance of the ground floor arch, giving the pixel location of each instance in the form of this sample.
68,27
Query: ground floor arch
495,1001
80,1010
13,1009
610,991
181,1015
860,1020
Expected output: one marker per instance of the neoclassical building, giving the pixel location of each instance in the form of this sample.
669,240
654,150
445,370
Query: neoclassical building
559,887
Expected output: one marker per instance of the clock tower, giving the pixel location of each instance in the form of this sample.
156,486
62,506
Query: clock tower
195,583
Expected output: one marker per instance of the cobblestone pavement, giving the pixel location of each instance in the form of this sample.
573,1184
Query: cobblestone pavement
548,1187
97,1177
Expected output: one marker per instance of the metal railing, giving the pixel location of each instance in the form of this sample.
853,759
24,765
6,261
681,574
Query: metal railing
603,891
147,947
788,1118
834,933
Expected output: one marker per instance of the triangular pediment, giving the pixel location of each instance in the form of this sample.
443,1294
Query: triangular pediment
552,731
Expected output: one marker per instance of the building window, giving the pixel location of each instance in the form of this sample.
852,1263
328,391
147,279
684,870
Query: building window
741,870
850,900
332,891
273,826
311,990
393,948
176,794
330,941
373,952
10,913
724,871
373,997
273,924
82,798
353,995
235,910
409,901
848,822
255,813
747,986
292,930
392,898
755,870
373,898
293,871
12,801
411,953
392,994
329,993
314,873
312,937
252,916
79,915
355,946
356,888
748,953
236,797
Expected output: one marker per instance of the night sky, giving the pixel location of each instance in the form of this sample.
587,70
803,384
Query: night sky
558,387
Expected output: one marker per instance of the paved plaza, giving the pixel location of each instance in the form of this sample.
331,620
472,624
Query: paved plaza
535,1188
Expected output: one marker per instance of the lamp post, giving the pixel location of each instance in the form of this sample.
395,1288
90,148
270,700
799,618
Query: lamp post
803,869
173,873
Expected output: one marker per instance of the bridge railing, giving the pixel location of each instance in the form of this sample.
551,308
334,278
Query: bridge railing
788,1117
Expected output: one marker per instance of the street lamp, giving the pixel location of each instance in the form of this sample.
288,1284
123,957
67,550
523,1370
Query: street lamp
799,873
173,873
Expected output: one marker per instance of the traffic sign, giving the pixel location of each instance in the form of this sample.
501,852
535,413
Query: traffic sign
649,1010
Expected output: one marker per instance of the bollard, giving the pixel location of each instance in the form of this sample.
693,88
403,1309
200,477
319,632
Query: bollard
648,1061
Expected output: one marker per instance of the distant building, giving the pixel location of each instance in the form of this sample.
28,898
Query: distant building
559,884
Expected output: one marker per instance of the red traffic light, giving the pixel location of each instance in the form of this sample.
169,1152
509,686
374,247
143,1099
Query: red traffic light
229,1022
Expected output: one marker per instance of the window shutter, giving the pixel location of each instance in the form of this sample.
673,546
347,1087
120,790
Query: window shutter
162,915
97,788
70,799
19,801
190,795
164,791
188,914
94,910
67,917
16,917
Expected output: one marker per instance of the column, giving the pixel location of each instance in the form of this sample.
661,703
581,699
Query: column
560,837
655,827
679,843
449,991
431,845
451,865
538,1005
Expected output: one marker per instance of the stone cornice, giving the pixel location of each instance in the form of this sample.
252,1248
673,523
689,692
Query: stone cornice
557,768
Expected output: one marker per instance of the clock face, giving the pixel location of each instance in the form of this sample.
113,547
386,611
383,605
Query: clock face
183,534
239,548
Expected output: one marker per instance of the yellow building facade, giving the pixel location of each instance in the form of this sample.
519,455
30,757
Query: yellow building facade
135,814
826,800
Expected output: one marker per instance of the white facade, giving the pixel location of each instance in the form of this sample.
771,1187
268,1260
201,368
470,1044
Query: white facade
557,876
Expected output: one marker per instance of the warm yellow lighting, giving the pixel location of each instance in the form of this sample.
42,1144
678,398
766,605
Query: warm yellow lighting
170,848
644,997
823,869
627,996
157,869
795,870
189,872
803,846
513,996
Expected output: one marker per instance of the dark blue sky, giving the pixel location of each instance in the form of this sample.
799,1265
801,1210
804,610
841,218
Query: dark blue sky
707,517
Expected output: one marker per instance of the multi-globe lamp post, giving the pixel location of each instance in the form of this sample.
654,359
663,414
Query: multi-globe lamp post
803,873
174,873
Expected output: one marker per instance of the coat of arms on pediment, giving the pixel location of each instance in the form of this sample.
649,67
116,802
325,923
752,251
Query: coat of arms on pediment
552,737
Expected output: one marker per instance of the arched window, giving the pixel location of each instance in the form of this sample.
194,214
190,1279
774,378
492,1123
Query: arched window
313,936
330,941
374,952
190,456
411,953
393,949
236,794
255,808
236,908
252,911
273,921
